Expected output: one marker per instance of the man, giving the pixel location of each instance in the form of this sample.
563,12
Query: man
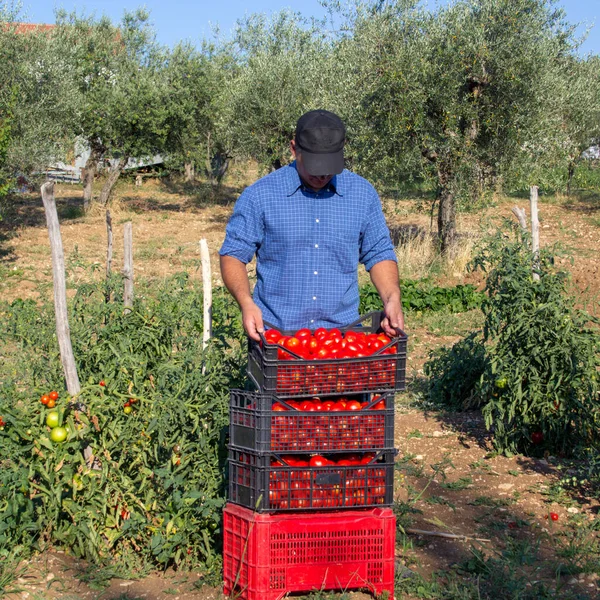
309,225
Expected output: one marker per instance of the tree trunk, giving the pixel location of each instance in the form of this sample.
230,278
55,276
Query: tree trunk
570,174
446,211
89,173
112,178
190,173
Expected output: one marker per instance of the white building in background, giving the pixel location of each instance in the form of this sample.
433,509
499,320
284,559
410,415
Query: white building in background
592,153
73,173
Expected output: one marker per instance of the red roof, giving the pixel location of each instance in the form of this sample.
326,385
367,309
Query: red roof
26,28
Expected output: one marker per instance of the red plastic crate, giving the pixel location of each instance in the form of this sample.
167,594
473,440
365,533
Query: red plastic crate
254,425
266,556
299,377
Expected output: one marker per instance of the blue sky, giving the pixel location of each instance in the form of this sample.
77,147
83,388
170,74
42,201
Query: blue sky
175,20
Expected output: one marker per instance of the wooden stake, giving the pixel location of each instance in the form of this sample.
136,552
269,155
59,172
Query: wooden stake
207,291
109,247
109,252
535,227
63,331
128,267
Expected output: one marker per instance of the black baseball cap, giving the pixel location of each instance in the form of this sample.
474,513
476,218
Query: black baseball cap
320,136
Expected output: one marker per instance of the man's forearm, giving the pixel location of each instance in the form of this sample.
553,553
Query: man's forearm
235,278
384,276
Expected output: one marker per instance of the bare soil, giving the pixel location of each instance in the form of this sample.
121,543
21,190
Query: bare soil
447,473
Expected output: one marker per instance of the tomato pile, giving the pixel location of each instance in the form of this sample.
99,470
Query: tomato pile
328,343
296,482
340,424
374,371
335,405
299,487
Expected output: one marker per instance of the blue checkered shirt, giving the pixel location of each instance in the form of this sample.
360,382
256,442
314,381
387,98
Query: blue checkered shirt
308,245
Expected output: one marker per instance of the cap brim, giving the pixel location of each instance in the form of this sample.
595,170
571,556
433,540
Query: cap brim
323,164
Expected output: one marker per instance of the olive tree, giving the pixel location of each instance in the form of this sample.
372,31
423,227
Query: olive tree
195,78
123,90
279,77
36,99
462,91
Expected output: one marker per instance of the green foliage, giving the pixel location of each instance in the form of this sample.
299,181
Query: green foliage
535,369
282,65
422,295
455,372
543,356
153,491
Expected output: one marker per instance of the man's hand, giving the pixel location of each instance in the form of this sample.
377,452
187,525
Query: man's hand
252,321
235,278
394,317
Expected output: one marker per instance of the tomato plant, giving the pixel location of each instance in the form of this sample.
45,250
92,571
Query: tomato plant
135,491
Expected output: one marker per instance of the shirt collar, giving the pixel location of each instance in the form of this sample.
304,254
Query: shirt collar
295,183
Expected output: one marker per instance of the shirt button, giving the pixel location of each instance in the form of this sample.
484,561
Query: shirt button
316,245
317,220
312,320
314,297
316,272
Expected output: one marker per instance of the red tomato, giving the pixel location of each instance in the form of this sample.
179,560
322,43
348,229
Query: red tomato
322,353
340,405
272,336
45,399
321,333
317,461
303,333
278,407
328,405
352,349
353,405
537,437
292,343
307,405
53,395
351,337
554,516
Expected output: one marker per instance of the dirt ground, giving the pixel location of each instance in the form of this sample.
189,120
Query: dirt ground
447,475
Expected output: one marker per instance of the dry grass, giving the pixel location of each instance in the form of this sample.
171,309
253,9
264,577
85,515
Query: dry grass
418,257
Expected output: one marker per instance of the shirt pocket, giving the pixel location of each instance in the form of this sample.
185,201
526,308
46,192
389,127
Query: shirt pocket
342,248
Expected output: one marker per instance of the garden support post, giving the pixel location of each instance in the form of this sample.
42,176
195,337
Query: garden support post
63,332
207,291
128,267
535,228
109,252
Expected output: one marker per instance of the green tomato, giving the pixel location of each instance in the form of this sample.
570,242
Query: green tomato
127,410
501,383
52,419
58,434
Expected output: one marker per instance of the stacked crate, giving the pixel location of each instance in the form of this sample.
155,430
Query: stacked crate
310,490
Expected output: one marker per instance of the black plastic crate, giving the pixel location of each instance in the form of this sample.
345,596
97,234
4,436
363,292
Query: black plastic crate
255,426
298,377
264,483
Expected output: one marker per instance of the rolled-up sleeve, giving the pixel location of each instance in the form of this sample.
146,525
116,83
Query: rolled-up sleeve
245,230
376,244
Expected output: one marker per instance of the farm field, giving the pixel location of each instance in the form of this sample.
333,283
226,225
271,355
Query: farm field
448,479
